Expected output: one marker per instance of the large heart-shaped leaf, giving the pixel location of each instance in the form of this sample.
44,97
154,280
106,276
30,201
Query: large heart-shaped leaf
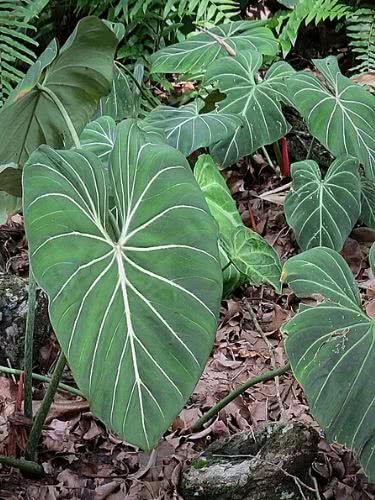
368,203
187,130
331,348
134,303
322,212
78,76
245,256
338,112
99,137
258,104
201,49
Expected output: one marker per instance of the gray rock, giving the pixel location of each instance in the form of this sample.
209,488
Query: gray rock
13,311
250,466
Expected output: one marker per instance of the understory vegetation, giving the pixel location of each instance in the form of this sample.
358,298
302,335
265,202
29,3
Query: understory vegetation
132,229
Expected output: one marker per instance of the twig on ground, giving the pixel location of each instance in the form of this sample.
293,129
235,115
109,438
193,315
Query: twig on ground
259,329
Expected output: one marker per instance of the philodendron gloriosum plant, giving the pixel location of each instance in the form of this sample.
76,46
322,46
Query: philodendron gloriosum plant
132,247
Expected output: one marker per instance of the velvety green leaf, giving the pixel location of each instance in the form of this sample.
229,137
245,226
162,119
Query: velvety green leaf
368,203
224,210
338,112
10,179
322,212
254,257
258,104
187,130
99,137
117,28
135,306
79,75
201,49
219,199
253,260
118,104
331,348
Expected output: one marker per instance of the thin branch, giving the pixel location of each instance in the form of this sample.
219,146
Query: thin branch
41,378
23,465
237,392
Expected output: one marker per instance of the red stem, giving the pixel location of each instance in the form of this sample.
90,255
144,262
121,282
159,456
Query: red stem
285,163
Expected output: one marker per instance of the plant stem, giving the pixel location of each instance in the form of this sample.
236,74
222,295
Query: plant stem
29,340
237,392
64,114
268,158
310,150
42,378
23,465
41,416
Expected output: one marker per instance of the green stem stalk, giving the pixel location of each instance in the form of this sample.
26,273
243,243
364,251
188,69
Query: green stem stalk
311,147
29,341
64,114
23,465
41,416
41,378
237,392
268,158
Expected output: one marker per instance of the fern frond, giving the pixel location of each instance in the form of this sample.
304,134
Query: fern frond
308,11
15,43
361,33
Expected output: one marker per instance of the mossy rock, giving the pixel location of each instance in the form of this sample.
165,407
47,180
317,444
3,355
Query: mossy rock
13,312
250,466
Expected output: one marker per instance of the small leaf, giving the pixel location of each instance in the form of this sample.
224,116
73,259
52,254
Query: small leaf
331,348
368,203
219,199
187,130
201,49
258,104
119,103
11,179
254,257
99,137
322,212
338,112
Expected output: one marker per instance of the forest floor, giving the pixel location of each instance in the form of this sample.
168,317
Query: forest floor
83,461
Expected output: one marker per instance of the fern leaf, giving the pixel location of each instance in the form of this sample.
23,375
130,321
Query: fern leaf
361,33
15,42
308,11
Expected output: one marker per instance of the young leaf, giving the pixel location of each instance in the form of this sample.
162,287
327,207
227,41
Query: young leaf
79,75
99,137
368,203
254,257
133,301
331,348
258,104
322,212
187,130
118,104
338,112
201,49
224,210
